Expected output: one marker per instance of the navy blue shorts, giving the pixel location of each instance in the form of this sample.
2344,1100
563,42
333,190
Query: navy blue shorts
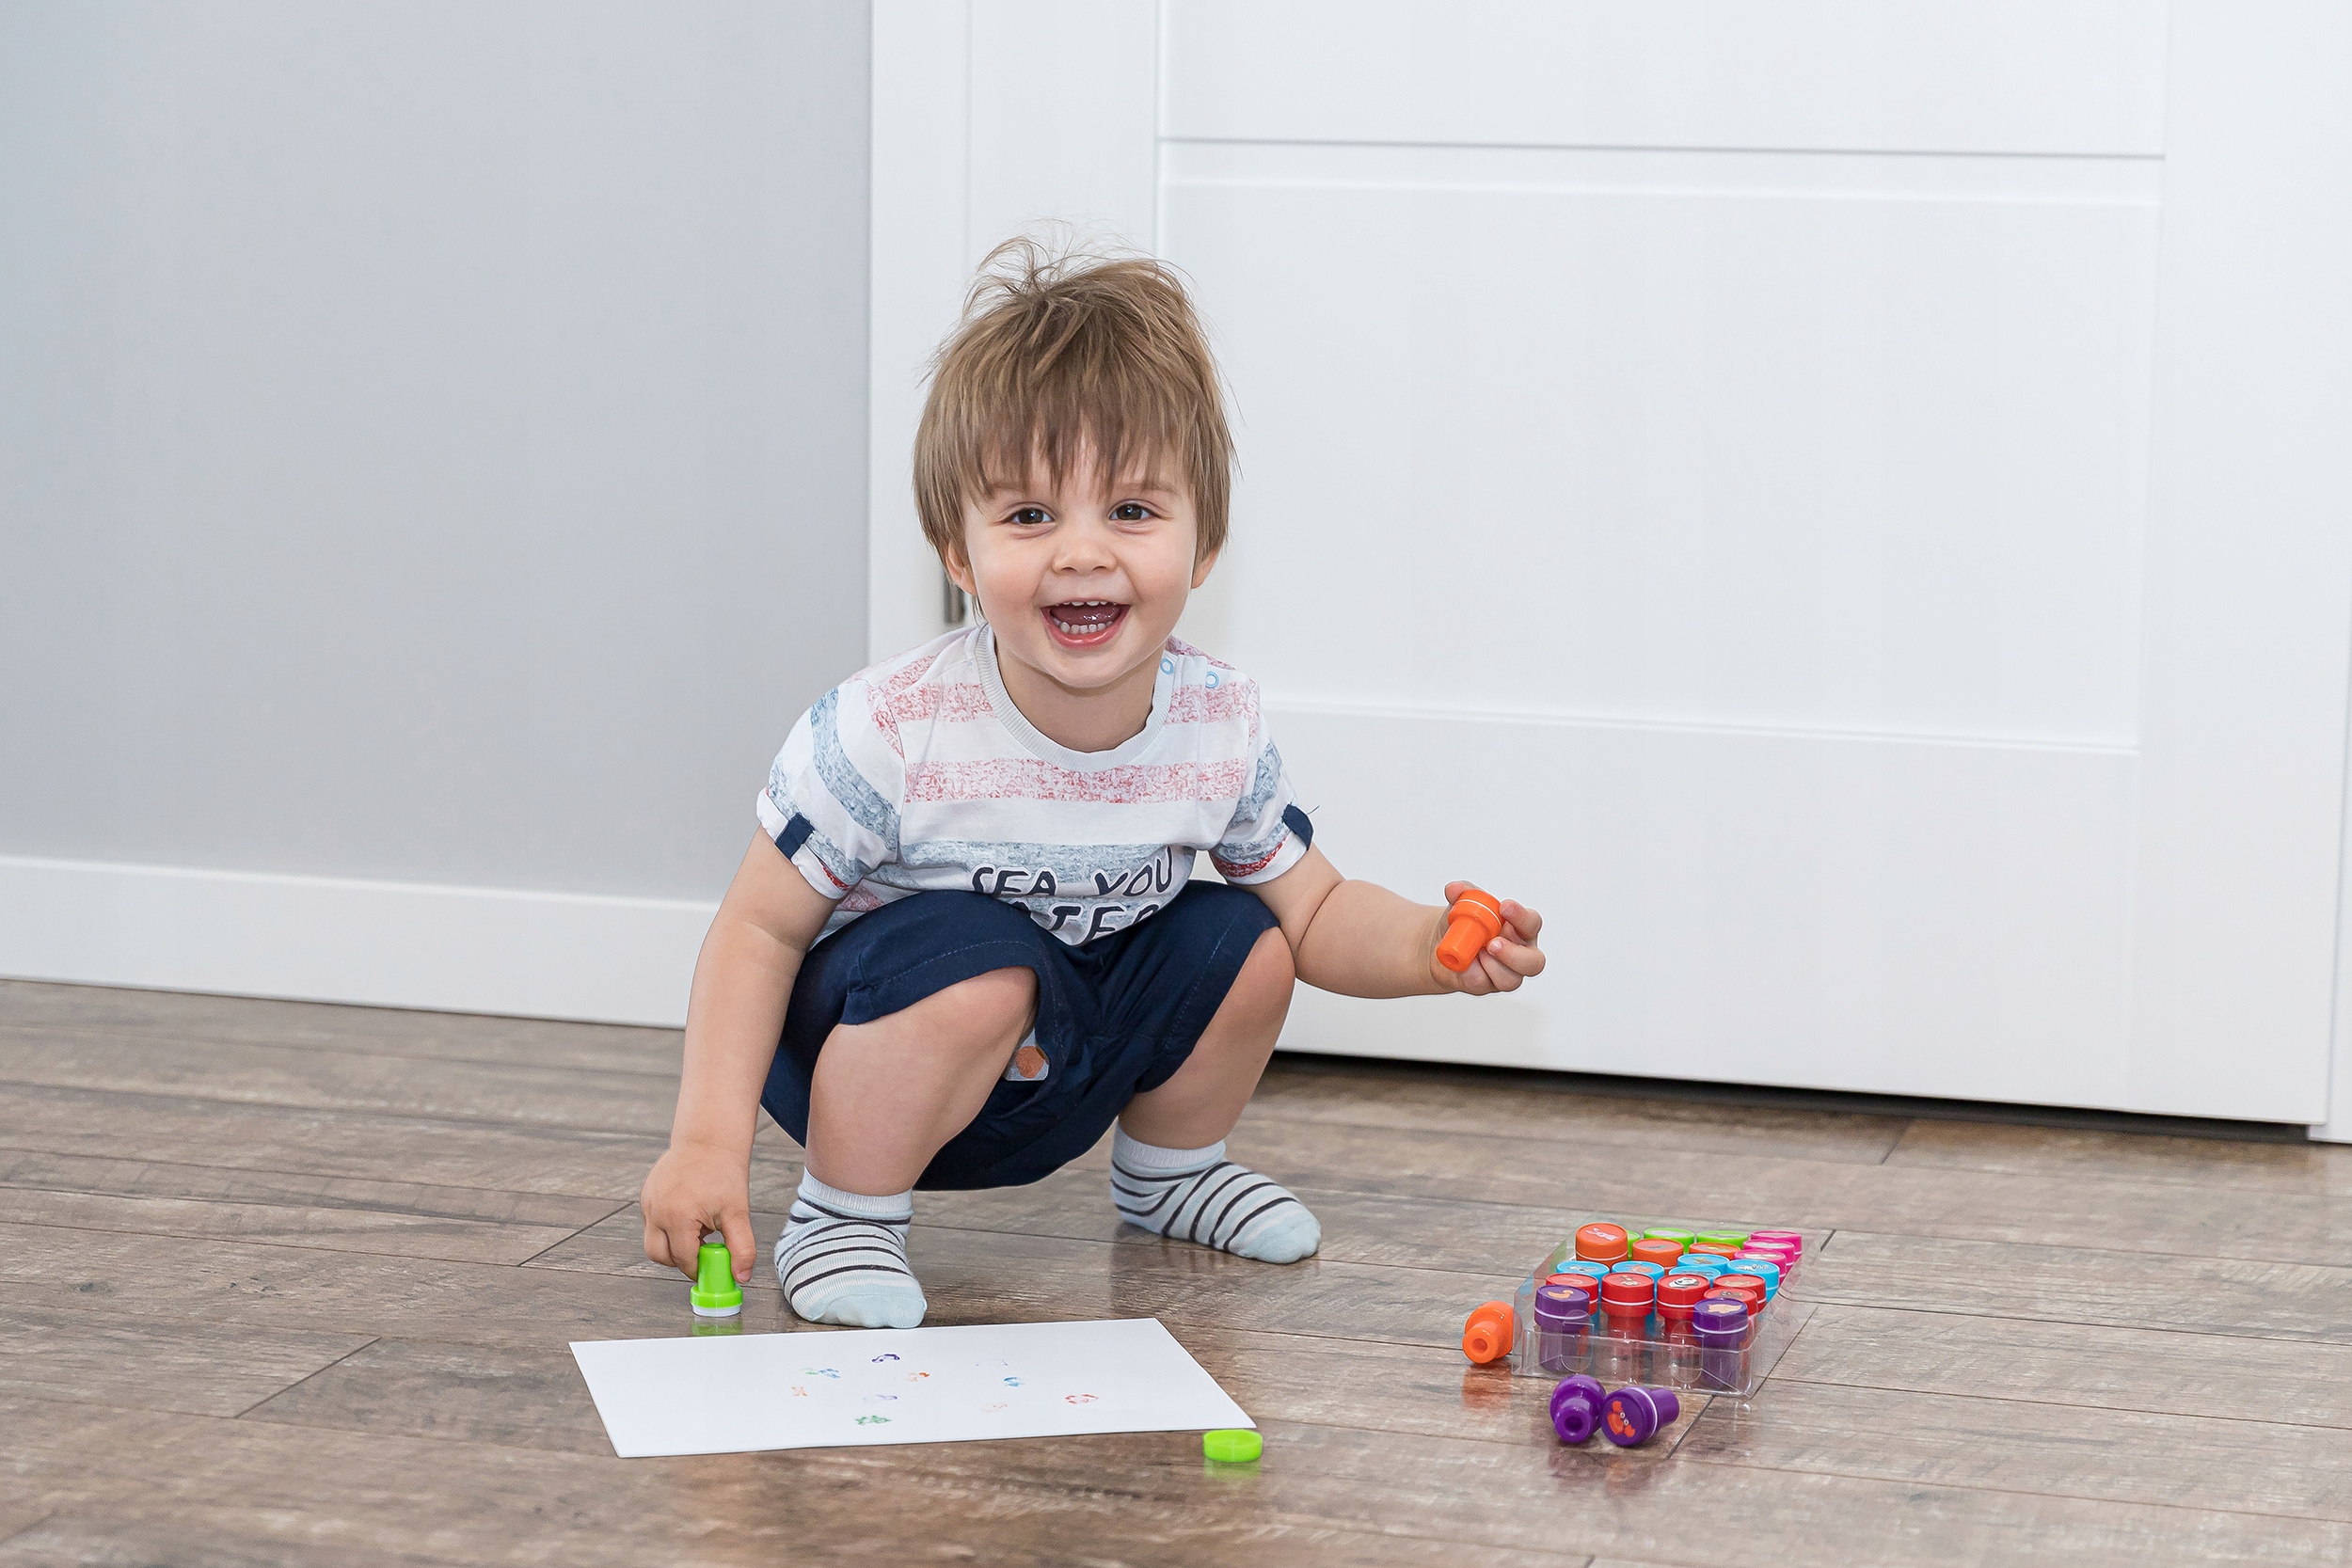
1115,1018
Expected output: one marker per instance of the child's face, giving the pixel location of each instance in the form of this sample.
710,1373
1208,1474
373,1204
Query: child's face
1083,580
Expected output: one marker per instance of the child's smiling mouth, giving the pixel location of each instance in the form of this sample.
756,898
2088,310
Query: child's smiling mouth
1084,623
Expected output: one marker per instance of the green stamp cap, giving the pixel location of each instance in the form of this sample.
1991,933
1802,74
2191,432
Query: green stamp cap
1233,1446
1725,1238
1682,1238
715,1294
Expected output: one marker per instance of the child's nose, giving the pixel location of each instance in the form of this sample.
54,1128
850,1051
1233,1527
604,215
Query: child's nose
1084,550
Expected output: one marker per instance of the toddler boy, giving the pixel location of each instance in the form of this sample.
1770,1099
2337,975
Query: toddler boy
964,942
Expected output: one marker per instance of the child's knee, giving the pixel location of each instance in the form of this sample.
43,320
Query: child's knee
981,1017
1267,975
999,1004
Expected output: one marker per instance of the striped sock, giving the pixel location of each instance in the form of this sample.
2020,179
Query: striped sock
843,1259
1196,1195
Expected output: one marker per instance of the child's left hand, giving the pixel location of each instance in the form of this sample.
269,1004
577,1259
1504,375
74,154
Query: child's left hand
1502,963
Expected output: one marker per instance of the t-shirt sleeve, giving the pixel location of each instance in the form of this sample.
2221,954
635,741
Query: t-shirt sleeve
832,800
1268,832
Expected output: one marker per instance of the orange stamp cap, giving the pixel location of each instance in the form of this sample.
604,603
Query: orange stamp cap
1601,1243
1658,1250
1475,920
1488,1334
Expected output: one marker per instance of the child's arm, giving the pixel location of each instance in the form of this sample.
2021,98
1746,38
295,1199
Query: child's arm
734,1016
1360,939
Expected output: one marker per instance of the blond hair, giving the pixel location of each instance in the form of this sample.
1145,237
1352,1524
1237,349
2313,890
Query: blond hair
1064,355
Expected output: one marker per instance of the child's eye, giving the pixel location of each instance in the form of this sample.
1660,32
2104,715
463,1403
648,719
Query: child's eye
1130,511
1029,517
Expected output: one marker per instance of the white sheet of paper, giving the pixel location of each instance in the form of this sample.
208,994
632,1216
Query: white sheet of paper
743,1393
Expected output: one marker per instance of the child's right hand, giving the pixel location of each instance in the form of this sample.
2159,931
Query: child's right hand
692,1191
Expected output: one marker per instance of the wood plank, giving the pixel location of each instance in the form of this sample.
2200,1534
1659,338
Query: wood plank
1321,1494
336,1229
196,1367
1805,1195
138,1541
2077,1365
589,1097
329,1026
175,1278
426,1219
503,1395
293,1488
129,1177
1534,1105
2300,1302
123,1539
359,1144
534,1398
2241,1165
2245,1464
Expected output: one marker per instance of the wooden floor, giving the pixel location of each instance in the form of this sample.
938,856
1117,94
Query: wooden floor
292,1284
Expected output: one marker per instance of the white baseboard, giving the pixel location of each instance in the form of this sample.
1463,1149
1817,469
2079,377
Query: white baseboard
324,938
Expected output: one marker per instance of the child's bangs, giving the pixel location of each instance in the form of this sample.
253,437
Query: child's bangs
1069,439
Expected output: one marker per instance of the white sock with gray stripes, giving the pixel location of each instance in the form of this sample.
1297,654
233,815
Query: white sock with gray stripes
1196,1195
843,1259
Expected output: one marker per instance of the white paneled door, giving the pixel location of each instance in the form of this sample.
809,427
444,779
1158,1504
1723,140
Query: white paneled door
1843,506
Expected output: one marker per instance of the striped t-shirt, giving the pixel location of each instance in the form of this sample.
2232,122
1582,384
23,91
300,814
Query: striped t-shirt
920,775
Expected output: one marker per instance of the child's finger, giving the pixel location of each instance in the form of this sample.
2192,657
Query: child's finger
686,1248
1500,975
1479,978
1525,923
735,1226
656,1243
1523,959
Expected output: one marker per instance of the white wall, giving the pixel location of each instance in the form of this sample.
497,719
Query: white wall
432,451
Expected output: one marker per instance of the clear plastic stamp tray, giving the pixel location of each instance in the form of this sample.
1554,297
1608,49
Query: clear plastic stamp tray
1656,1353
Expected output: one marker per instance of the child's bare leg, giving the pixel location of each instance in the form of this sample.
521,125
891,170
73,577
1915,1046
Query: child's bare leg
1201,1103
887,1096
1168,1170
884,1097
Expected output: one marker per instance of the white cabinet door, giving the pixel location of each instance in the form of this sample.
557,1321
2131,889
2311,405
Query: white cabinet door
1841,505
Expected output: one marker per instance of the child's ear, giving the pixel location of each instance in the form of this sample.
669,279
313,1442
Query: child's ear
1203,567
959,570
